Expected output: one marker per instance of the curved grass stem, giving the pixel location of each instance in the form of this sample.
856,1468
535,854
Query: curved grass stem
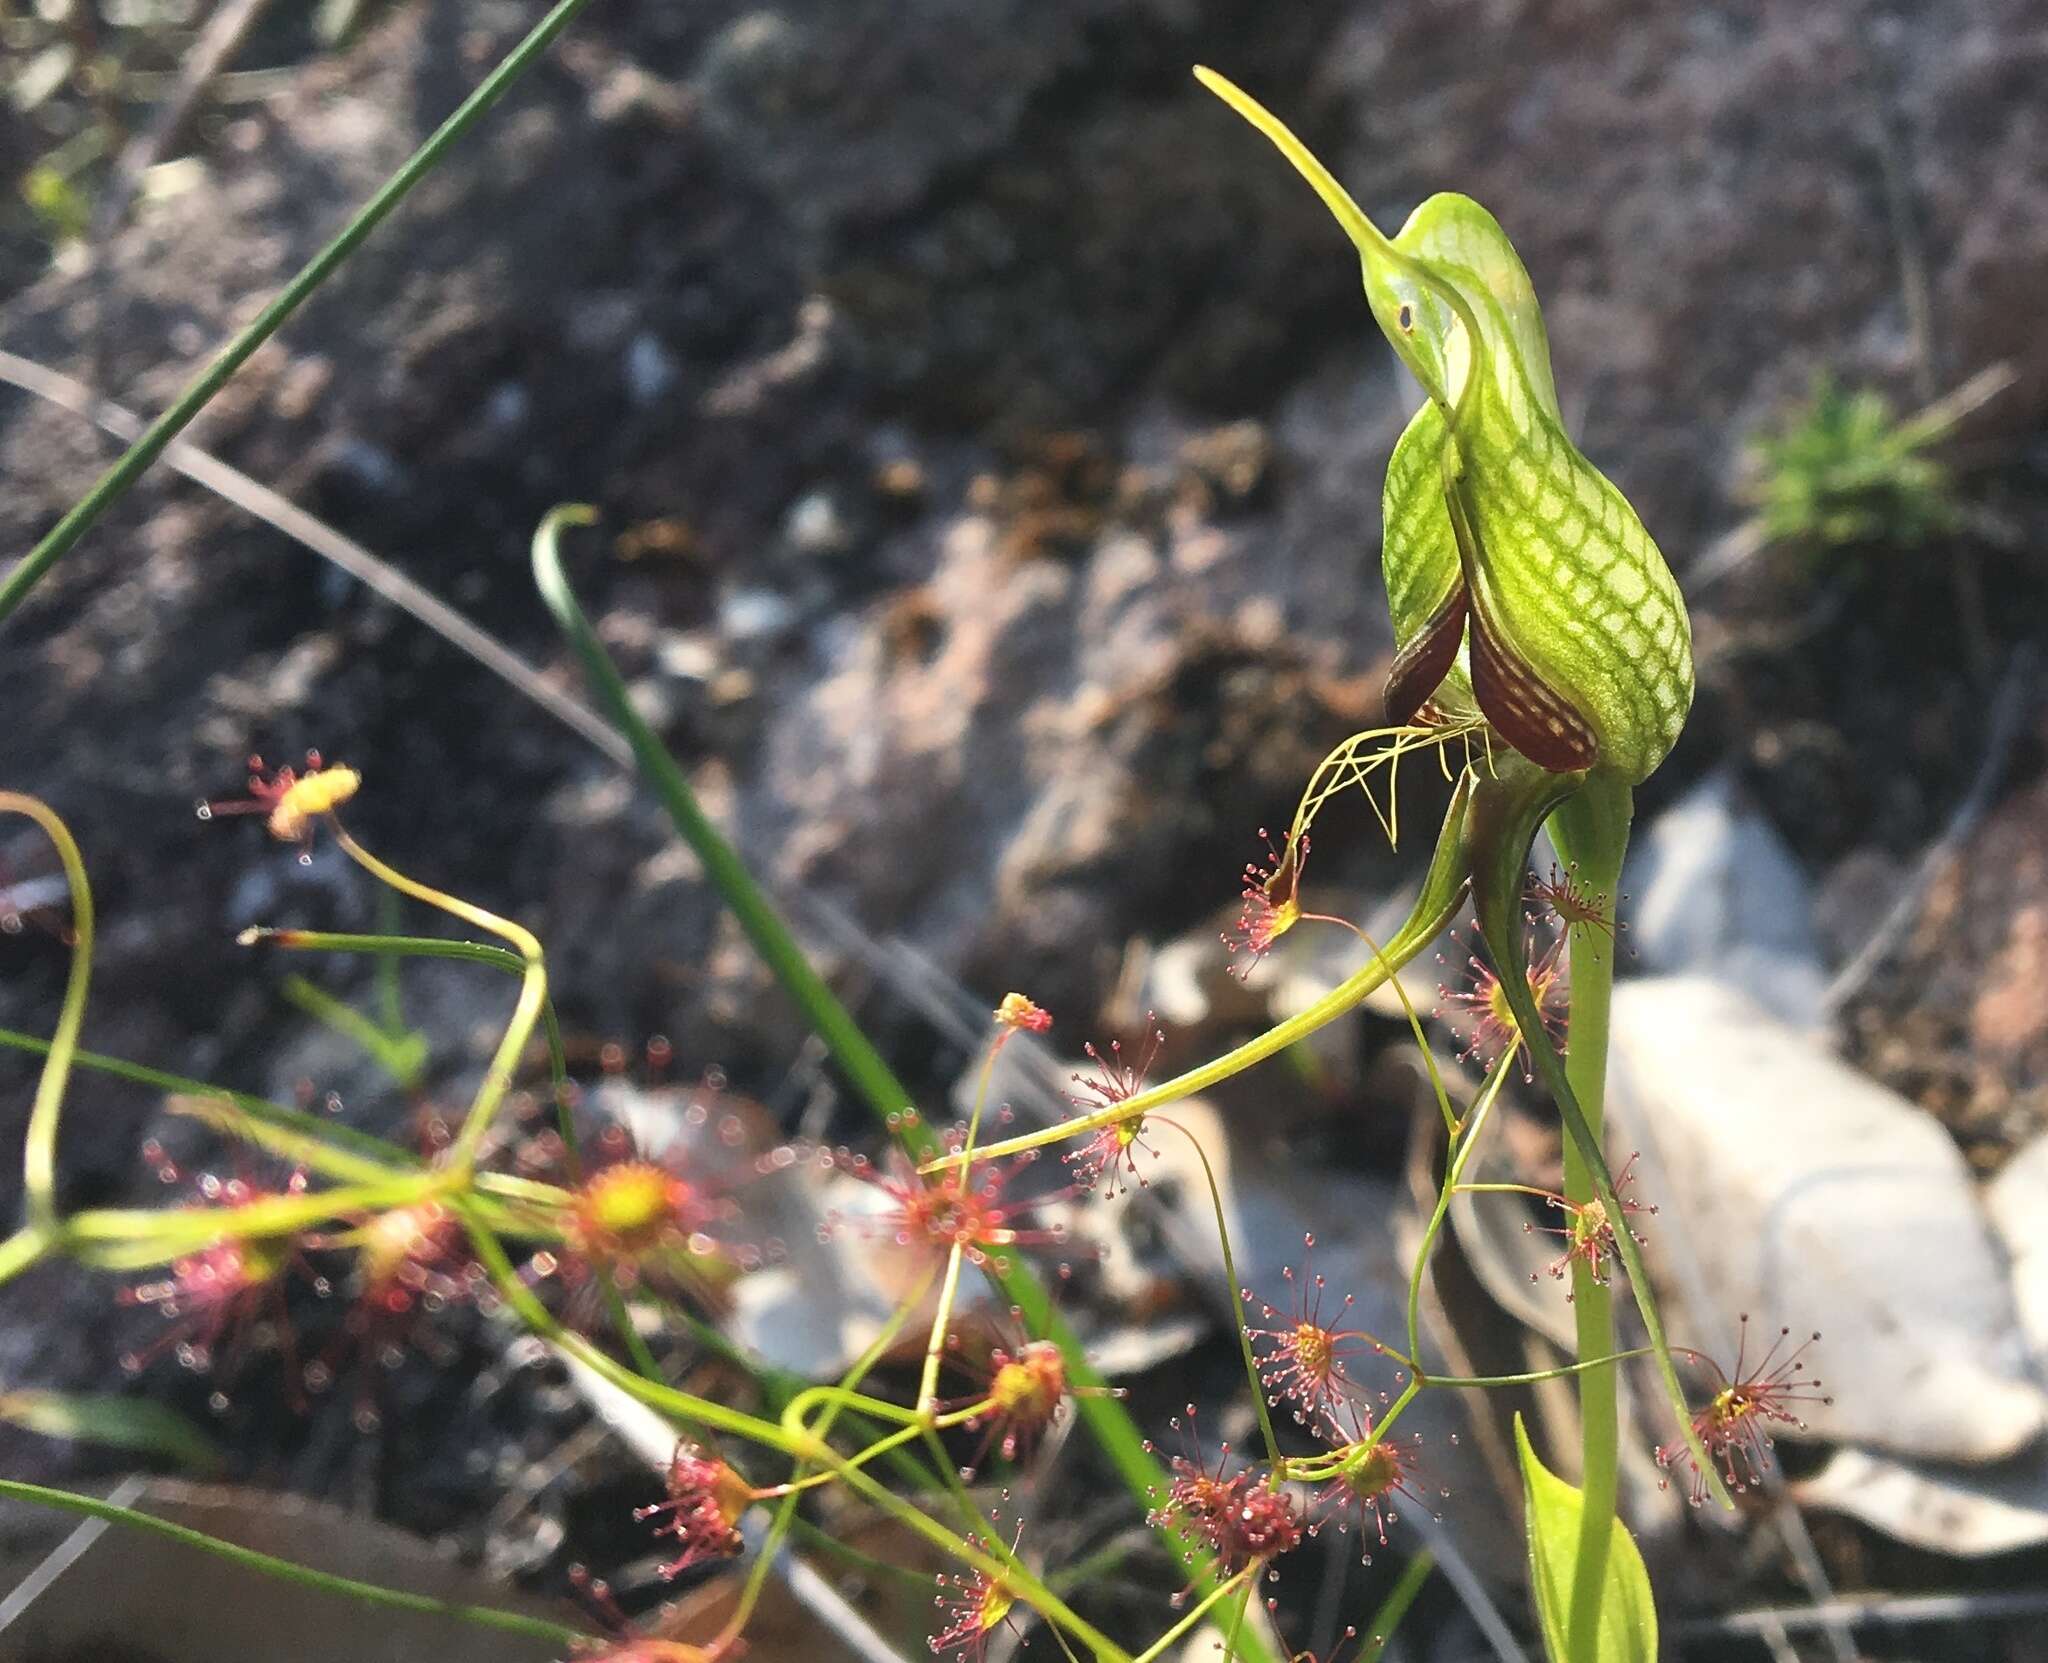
39,1154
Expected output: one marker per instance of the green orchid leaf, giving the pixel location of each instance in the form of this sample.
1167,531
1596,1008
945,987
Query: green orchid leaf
1626,1629
1571,625
118,1422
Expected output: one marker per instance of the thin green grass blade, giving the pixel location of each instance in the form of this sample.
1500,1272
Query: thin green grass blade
266,1564
401,1054
135,460
1379,1633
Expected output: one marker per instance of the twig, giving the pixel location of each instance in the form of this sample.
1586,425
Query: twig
1873,1610
1777,1642
225,31
1038,1088
1467,1582
234,486
2003,729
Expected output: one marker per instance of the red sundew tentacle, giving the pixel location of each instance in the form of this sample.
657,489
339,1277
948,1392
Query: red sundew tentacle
706,1501
1573,904
1304,1359
970,1607
410,1263
1109,1156
952,1207
1378,1470
1480,1011
221,1298
291,801
1240,1516
1589,1233
1271,903
1734,1424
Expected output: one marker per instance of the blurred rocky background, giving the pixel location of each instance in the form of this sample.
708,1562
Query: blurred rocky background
989,433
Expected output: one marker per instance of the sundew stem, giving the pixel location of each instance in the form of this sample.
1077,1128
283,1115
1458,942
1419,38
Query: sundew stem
691,1411
1507,817
533,994
1316,1469
786,1514
1216,1595
1237,1293
1443,890
1535,1377
1460,1153
389,948
129,1238
949,1288
1407,1395
372,1149
415,946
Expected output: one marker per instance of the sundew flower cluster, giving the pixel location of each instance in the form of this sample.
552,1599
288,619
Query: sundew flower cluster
574,1229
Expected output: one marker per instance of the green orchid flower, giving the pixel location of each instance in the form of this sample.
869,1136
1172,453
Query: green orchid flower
1529,606
1523,586
1525,594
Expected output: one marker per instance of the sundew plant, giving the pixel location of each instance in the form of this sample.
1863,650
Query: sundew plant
1544,661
